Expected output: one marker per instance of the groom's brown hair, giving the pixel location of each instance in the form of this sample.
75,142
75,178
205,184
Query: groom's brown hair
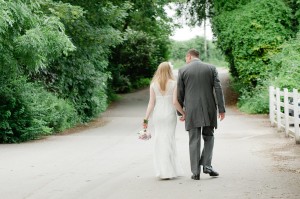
193,52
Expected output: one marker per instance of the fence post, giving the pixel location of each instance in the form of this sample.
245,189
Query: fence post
296,115
278,115
271,105
286,112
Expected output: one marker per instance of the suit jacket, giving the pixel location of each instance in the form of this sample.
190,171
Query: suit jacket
200,92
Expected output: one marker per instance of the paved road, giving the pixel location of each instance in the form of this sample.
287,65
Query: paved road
105,160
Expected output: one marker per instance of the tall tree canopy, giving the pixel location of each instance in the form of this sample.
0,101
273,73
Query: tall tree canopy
146,42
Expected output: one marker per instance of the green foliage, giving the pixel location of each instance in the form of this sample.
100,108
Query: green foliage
180,48
285,74
29,112
249,35
48,38
67,52
141,83
255,37
286,65
219,7
82,76
146,43
18,122
80,81
256,101
195,11
30,39
134,59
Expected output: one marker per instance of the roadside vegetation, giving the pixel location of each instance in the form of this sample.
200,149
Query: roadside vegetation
260,41
63,61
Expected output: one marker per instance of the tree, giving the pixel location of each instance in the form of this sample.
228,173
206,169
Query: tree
30,40
146,43
82,76
250,34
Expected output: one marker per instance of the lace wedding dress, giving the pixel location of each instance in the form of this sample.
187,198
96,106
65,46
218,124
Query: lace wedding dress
166,162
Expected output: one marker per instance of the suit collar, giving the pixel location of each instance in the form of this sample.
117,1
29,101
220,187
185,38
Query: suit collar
195,59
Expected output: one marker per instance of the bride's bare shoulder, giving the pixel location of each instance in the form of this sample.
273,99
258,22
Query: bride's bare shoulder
152,84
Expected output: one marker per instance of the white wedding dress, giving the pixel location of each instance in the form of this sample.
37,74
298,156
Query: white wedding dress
166,162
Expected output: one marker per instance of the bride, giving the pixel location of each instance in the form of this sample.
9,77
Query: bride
163,103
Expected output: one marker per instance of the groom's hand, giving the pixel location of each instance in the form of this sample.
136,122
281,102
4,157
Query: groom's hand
221,116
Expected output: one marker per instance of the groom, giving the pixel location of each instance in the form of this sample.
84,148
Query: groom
200,92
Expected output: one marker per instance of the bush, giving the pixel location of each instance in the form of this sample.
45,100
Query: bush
285,73
286,64
141,83
81,82
81,77
58,114
250,35
27,111
256,101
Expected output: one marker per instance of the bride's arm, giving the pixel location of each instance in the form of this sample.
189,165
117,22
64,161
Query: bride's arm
150,104
176,103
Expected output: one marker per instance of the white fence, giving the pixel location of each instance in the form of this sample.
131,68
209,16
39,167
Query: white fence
280,106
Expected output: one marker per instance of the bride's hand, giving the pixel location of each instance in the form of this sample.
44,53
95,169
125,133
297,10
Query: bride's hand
182,118
145,126
145,123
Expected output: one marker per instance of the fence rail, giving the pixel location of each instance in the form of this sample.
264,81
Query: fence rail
282,104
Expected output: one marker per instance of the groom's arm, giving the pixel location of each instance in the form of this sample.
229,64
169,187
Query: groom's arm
180,90
218,92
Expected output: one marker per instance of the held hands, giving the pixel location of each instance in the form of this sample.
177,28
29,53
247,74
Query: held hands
182,117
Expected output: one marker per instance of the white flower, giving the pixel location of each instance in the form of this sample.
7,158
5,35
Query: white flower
144,135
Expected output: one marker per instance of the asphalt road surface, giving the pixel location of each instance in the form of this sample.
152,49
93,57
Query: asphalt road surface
105,160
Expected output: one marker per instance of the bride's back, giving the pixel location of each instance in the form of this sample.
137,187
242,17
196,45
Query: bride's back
170,86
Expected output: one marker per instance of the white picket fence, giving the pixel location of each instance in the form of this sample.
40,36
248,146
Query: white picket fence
279,111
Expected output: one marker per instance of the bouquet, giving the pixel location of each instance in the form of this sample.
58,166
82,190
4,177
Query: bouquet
144,135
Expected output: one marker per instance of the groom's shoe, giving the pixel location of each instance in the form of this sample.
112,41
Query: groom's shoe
209,170
196,177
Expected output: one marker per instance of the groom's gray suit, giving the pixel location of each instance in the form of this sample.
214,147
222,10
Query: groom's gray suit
200,92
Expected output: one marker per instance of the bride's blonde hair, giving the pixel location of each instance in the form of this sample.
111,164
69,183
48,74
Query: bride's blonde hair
162,75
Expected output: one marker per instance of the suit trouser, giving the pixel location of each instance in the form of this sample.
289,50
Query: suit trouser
195,147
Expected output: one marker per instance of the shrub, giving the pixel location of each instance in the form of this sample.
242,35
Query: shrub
250,35
256,101
27,111
141,83
285,73
286,64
